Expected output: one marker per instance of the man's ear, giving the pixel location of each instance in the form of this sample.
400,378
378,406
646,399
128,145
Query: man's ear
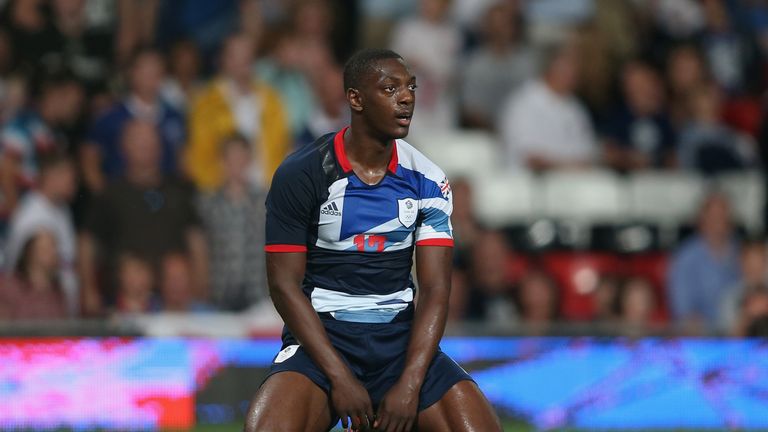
355,99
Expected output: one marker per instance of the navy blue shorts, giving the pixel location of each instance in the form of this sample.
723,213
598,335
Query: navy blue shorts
375,353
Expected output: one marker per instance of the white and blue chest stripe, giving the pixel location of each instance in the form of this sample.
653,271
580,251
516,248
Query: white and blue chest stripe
380,218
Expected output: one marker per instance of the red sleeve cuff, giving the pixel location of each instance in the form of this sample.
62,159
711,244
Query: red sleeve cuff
435,242
285,248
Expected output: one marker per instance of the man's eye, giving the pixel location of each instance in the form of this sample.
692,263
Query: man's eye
412,87
389,89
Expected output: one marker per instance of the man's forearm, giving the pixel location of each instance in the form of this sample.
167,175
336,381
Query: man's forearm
428,327
304,323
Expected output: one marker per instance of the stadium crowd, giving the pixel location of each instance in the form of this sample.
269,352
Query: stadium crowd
138,139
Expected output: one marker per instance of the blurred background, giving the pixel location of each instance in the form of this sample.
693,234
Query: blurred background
606,159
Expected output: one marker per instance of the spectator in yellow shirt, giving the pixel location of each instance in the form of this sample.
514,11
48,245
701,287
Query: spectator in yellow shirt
235,102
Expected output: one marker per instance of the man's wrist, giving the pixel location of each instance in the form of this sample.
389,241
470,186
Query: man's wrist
412,379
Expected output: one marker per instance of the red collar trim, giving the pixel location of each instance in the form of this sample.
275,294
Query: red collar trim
341,155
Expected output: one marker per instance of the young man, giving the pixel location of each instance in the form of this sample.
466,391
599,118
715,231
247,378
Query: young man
343,217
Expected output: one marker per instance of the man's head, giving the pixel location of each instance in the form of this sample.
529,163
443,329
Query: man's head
236,158
146,73
560,68
176,282
381,92
642,88
57,177
141,145
715,218
61,100
237,55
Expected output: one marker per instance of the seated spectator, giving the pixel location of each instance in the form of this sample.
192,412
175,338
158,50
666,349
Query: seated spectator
183,80
47,207
32,133
605,297
102,156
233,219
705,268
706,143
135,285
686,71
466,227
177,290
639,134
235,102
431,44
495,68
754,312
754,277
145,213
636,305
538,301
32,291
491,291
542,124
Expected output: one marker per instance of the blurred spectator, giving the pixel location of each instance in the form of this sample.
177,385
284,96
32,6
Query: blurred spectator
235,102
636,305
543,125
538,301
754,277
103,158
32,291
639,134
466,228
605,298
678,19
708,145
729,53
29,26
495,68
135,285
754,312
705,268
490,289
136,27
177,289
183,80
233,218
685,72
313,93
47,208
145,213
32,133
431,44
79,46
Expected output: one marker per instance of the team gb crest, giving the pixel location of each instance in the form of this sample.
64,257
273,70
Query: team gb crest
407,211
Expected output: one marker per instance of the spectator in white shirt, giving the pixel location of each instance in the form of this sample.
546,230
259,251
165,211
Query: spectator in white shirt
47,208
543,125
431,44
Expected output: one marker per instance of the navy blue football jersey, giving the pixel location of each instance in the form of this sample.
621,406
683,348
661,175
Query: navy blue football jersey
359,238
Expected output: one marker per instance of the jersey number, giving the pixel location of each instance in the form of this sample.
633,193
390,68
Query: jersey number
369,243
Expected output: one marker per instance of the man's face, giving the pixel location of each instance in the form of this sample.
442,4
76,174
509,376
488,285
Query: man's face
148,74
386,98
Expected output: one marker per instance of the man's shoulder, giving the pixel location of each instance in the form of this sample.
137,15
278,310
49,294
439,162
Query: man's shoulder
410,158
309,158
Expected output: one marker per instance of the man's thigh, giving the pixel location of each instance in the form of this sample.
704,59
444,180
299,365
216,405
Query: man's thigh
289,401
462,408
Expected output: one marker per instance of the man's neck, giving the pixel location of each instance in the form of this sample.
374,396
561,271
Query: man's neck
148,177
368,152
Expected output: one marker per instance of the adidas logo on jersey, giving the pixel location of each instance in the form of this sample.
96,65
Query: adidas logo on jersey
331,209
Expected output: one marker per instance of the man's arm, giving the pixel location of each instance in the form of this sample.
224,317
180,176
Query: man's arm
433,269
285,272
198,254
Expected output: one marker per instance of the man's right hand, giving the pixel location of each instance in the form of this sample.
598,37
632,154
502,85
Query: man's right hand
351,402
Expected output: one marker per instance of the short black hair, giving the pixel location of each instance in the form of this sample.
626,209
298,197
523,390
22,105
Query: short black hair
362,61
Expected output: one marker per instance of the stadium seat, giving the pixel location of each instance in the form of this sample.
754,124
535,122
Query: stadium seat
587,197
460,153
664,198
746,192
504,197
